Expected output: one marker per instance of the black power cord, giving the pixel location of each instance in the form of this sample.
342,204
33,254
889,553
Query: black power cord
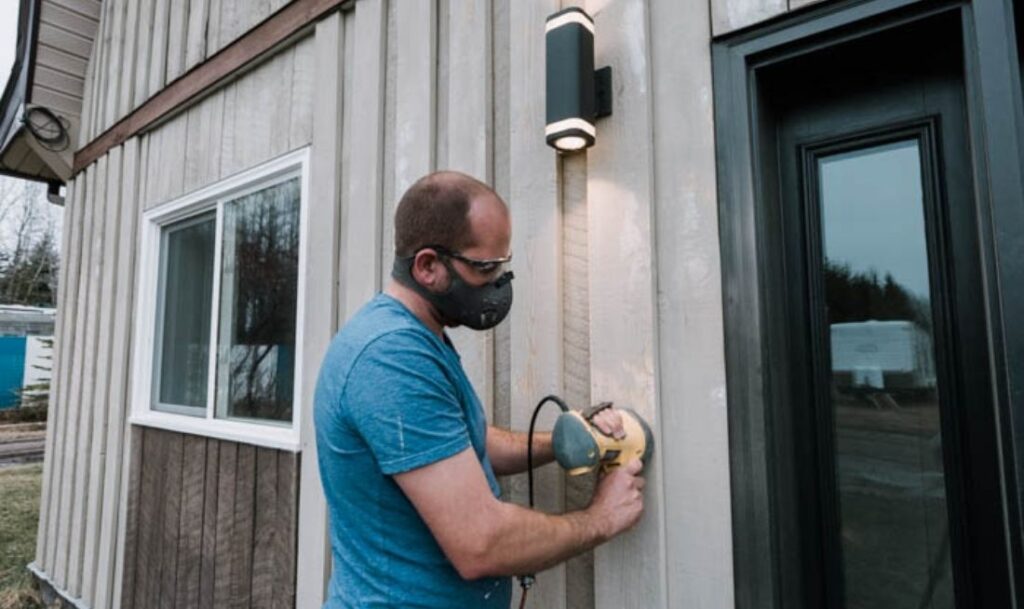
525,581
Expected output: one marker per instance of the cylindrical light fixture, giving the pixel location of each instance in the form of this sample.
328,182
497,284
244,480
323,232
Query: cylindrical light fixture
576,95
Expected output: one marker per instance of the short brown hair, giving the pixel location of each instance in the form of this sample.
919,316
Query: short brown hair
434,212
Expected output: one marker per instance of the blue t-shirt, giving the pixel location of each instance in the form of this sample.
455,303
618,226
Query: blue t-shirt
392,397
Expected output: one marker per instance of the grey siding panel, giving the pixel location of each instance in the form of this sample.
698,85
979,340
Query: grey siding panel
730,15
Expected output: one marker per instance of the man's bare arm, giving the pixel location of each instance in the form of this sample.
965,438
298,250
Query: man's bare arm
483,536
507,450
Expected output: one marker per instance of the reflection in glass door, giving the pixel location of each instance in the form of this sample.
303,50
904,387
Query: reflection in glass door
893,532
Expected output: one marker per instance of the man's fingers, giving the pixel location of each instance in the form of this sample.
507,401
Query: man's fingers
634,466
609,421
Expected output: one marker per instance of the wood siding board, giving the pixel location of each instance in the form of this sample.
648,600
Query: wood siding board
321,299
198,19
535,326
470,141
629,570
101,378
249,49
208,560
88,92
102,58
226,484
362,228
72,379
388,199
228,132
286,520
129,58
203,141
242,529
115,69
690,327
266,563
117,426
166,172
51,481
213,27
97,74
154,499
177,39
277,74
731,15
190,526
82,472
132,529
416,66
170,523
300,121
144,52
157,75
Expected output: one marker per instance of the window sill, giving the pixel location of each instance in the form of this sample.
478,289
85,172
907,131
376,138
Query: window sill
268,436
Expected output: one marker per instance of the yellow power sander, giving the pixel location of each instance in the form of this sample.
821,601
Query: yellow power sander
581,447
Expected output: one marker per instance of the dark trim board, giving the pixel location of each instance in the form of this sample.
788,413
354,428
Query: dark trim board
201,80
752,315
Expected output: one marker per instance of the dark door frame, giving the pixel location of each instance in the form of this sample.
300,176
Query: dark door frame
752,321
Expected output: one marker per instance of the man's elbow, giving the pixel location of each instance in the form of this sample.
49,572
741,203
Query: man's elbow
479,555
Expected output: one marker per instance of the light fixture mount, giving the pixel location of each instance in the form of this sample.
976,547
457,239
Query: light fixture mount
577,95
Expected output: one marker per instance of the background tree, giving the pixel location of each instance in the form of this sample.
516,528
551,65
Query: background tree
29,237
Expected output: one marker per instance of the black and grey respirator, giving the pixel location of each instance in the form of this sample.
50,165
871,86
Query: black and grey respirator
477,307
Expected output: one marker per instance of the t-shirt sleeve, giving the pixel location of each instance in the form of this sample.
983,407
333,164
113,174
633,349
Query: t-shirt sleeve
400,400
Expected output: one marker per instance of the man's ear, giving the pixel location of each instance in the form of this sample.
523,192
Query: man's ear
426,268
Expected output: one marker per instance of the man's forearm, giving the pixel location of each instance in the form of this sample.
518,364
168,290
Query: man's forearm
507,450
528,541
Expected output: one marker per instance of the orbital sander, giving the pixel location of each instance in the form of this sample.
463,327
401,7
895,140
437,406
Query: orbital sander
581,447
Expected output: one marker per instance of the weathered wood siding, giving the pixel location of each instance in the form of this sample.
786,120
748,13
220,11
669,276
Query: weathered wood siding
618,286
143,45
81,547
210,523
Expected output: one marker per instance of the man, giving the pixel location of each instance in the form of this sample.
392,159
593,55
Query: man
407,460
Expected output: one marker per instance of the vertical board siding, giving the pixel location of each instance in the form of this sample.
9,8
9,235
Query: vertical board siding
141,46
362,205
213,523
320,306
535,324
100,380
691,373
629,570
470,144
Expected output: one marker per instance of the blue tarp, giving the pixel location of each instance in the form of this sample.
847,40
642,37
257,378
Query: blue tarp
12,369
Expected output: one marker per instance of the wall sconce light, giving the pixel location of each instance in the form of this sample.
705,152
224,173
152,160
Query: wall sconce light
576,95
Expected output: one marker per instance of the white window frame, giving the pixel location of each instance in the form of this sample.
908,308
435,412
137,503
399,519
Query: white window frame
272,434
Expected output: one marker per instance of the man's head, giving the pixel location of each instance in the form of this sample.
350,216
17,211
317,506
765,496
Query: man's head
452,235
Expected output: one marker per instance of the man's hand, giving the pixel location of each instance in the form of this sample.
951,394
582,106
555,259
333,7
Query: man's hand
618,499
609,421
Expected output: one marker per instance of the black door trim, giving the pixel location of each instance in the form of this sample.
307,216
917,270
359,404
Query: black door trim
996,110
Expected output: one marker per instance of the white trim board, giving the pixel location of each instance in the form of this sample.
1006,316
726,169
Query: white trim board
267,434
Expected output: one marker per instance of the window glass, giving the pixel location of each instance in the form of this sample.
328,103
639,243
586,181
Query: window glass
186,287
258,288
894,530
